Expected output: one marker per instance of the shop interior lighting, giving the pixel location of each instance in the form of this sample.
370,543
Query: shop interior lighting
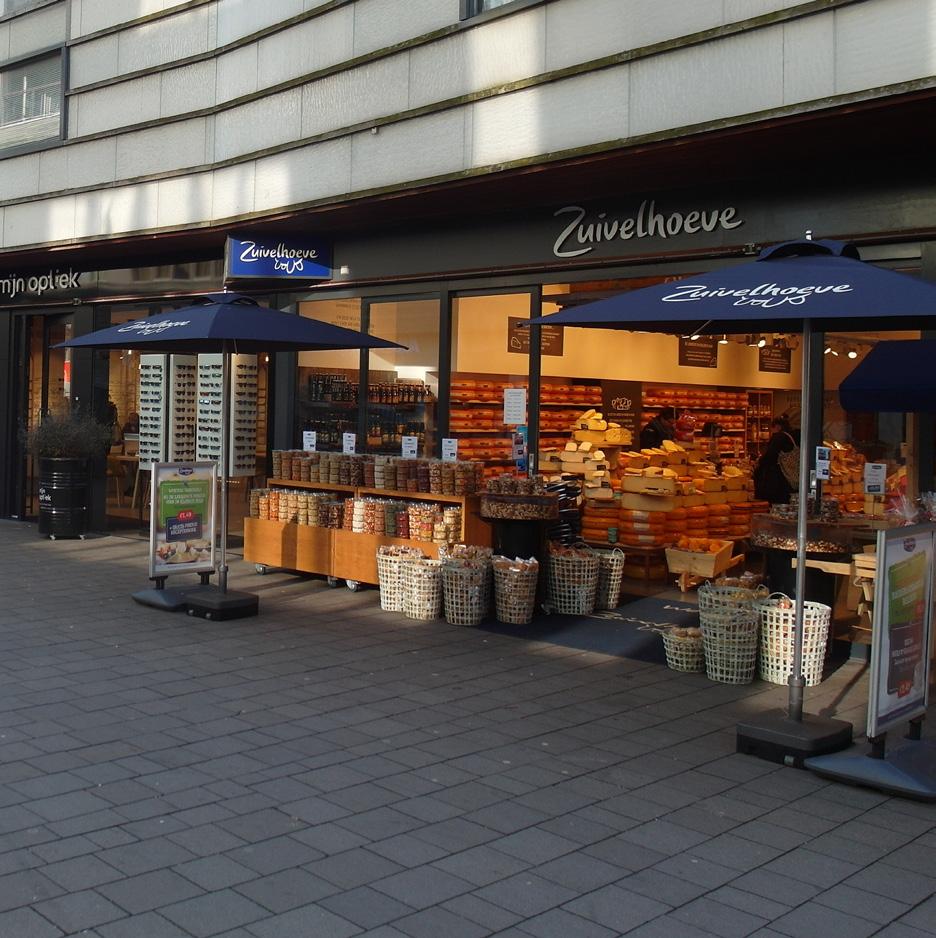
762,341
830,351
723,340
752,341
852,353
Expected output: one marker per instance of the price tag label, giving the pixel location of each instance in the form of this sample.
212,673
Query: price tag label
348,443
515,402
875,478
309,440
449,449
410,448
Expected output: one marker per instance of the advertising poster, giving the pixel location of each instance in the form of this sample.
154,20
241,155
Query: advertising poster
518,337
182,518
903,613
698,353
622,403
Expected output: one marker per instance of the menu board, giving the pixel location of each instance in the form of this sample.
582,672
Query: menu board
182,518
902,626
775,360
698,353
518,337
621,402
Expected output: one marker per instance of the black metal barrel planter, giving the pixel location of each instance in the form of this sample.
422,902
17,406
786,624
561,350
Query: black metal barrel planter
63,497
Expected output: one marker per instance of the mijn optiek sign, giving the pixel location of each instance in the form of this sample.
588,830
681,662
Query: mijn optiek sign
21,286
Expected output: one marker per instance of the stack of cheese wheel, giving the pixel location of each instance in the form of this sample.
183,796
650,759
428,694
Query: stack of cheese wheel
739,522
642,528
697,521
597,520
719,520
674,525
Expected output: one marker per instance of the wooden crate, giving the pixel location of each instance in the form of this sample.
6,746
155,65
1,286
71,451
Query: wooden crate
698,564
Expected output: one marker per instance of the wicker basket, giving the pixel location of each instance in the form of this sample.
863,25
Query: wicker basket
515,583
610,575
466,586
778,628
390,575
683,652
422,589
729,624
573,582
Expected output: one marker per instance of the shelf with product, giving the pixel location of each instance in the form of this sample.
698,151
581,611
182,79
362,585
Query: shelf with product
335,529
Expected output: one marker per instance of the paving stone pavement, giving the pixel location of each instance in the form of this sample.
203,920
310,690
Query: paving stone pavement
328,770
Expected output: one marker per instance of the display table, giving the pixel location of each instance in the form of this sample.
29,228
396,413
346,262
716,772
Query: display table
340,554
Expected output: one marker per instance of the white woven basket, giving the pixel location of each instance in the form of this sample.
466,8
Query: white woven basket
422,589
390,575
778,628
515,591
729,625
610,576
466,587
683,653
573,583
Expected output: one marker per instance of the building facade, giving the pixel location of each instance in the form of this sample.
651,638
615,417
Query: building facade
467,162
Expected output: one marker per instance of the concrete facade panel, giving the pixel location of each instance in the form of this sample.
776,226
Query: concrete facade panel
808,59
906,29
93,61
161,149
114,106
303,175
503,50
40,222
375,90
190,88
266,122
39,30
110,211
550,117
164,40
413,150
239,18
237,73
663,97
184,201
382,23
232,192
20,178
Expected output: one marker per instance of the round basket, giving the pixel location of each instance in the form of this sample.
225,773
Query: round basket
466,587
683,653
778,628
610,575
715,600
573,583
390,575
515,585
729,638
422,589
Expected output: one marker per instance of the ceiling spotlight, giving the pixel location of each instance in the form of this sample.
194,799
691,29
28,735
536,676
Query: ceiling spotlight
761,342
752,341
694,338
723,340
853,353
830,351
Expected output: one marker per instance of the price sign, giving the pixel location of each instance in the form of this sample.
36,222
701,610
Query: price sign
875,478
449,449
515,401
309,440
823,463
348,443
410,448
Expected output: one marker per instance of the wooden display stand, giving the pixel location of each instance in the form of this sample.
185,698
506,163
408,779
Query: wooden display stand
338,553
694,568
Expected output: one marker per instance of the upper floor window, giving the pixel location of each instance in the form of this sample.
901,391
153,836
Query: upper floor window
474,7
31,101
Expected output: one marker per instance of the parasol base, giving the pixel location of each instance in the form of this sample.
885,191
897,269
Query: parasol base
208,602
167,600
775,737
908,771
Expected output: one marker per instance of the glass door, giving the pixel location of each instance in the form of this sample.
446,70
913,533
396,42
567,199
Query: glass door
46,388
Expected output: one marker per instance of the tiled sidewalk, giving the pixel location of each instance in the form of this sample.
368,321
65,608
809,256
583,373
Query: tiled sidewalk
329,770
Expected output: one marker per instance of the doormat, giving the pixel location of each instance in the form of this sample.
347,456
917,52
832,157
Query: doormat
614,632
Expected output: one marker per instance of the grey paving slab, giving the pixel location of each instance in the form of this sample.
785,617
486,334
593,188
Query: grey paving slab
329,769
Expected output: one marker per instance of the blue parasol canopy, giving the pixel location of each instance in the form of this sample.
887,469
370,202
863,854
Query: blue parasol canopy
824,281
894,376
226,322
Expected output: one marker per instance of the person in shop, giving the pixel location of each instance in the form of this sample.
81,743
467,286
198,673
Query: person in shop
133,423
770,483
660,428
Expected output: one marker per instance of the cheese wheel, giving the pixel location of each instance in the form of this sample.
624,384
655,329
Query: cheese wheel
651,517
697,511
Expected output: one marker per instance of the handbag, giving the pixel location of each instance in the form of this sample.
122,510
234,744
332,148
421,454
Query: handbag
789,465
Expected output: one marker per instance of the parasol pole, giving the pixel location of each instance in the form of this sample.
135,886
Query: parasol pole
223,462
797,680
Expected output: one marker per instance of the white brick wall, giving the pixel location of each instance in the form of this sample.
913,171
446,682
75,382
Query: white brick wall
839,51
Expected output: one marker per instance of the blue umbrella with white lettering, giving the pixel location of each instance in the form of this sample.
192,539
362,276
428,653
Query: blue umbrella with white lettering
797,286
226,323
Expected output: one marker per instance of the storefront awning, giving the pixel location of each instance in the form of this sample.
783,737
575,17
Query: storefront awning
894,376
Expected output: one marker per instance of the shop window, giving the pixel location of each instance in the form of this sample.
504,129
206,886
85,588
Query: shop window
328,382
31,101
471,8
403,384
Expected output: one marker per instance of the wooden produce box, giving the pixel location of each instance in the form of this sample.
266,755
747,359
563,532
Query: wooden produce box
696,564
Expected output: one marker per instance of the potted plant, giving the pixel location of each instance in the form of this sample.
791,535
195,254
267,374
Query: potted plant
64,444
